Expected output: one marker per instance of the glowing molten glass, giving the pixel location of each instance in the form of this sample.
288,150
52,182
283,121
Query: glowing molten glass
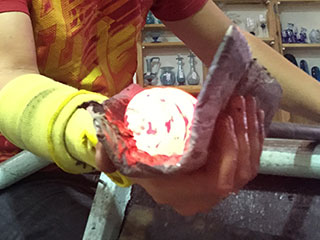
160,119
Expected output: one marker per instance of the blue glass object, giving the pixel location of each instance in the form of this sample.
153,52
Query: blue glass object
291,58
304,66
155,35
295,35
181,79
167,76
150,18
303,35
315,72
290,33
284,36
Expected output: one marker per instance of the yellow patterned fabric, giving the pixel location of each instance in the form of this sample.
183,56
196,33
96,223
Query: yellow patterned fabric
88,44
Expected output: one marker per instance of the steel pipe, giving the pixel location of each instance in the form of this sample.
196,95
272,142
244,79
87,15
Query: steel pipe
284,157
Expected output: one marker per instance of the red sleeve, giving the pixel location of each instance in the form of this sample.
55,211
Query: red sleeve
174,10
14,6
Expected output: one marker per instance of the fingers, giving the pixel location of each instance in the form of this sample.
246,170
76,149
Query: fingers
253,134
103,162
225,150
262,133
233,160
237,110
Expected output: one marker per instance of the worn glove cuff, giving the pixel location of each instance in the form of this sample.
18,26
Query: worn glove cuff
42,116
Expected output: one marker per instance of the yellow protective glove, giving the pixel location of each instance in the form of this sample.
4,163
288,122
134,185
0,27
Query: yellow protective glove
42,116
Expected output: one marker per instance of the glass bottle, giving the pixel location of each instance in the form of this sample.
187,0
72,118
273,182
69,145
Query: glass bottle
181,79
150,77
304,66
263,25
193,77
290,33
303,35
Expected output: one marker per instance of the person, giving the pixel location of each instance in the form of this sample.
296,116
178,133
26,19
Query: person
91,45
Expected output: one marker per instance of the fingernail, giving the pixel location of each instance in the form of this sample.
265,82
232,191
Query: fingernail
238,103
251,102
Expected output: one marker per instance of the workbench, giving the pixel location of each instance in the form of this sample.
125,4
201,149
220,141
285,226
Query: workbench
284,205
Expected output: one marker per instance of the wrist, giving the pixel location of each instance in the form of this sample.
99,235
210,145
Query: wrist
34,115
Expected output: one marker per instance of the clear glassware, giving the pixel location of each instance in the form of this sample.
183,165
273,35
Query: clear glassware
193,77
251,25
314,36
181,78
263,25
155,35
150,77
167,76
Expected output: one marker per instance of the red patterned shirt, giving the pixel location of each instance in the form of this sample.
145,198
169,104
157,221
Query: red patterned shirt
91,44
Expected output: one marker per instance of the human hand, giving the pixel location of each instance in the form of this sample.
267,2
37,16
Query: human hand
233,161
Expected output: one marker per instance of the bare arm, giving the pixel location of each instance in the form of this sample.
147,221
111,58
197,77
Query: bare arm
16,58
204,31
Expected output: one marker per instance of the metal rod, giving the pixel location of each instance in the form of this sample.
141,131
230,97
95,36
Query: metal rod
20,166
297,158
107,211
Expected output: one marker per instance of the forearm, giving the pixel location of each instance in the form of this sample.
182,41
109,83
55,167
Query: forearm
300,91
16,58
203,33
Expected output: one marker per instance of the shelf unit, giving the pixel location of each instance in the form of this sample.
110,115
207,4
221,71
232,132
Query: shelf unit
274,39
311,49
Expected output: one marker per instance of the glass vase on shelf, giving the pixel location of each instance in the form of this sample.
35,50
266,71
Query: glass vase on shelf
251,25
314,36
155,35
181,79
167,76
263,25
290,33
193,77
303,35
150,77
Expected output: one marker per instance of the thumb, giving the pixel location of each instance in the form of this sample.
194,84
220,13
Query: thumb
103,162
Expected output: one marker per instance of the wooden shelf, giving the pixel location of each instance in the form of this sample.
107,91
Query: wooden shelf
268,40
162,44
188,88
301,45
243,1
299,1
161,26
181,44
